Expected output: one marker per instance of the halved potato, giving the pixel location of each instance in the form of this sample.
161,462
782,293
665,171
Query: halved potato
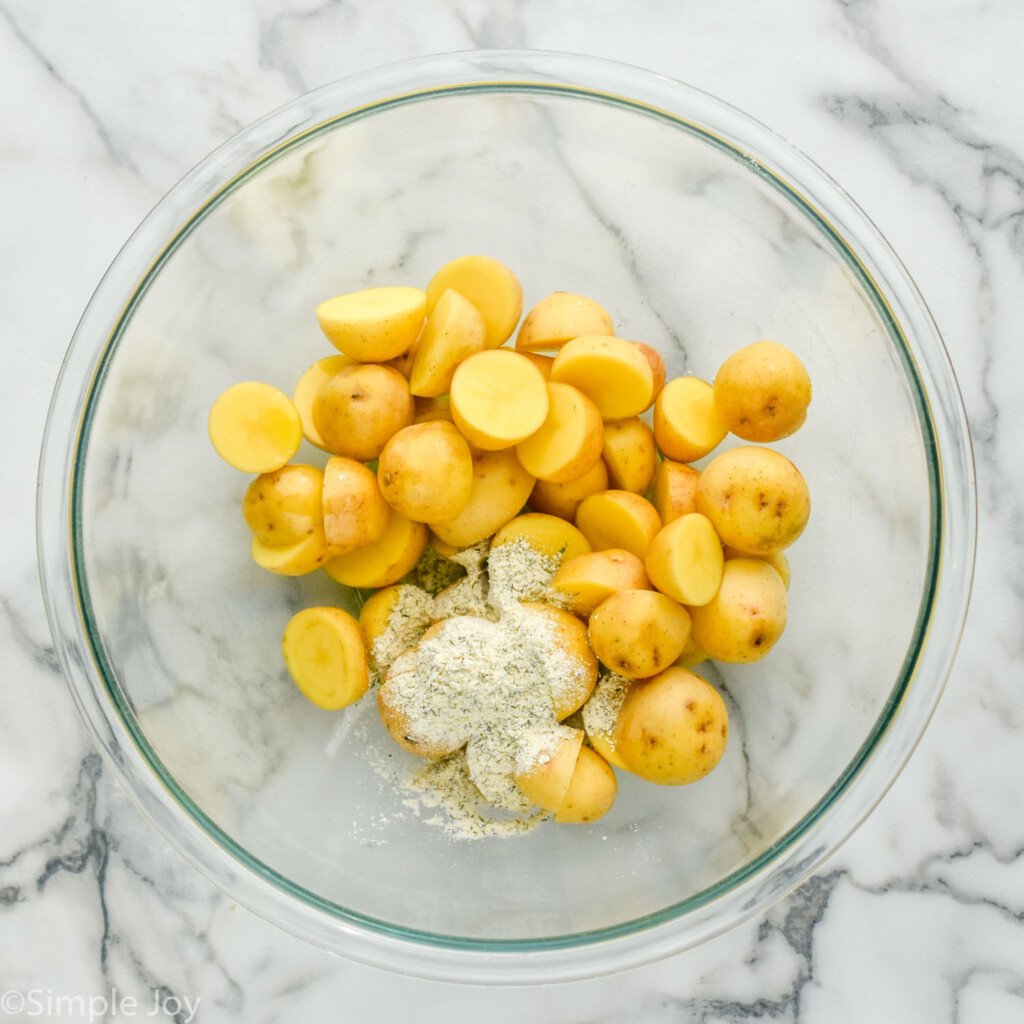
611,372
591,791
568,442
375,324
254,427
674,493
386,560
307,387
293,559
570,637
560,317
685,560
657,365
454,332
490,286
550,535
618,519
563,500
588,579
545,765
630,454
687,425
284,507
325,655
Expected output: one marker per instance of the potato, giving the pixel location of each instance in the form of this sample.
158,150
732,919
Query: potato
637,633
550,535
490,286
618,519
693,653
563,500
500,489
356,411
673,728
568,695
454,332
777,560
374,324
756,499
404,363
396,721
442,547
685,560
384,561
591,790
588,579
560,317
687,425
762,392
426,472
657,365
354,512
283,507
429,410
375,616
600,714
307,387
297,559
568,442
630,454
325,655
498,399
254,427
745,619
545,765
674,493
543,363
611,372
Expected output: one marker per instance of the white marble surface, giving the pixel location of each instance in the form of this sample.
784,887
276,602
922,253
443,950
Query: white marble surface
915,108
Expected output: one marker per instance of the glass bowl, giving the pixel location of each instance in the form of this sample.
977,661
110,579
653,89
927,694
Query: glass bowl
702,231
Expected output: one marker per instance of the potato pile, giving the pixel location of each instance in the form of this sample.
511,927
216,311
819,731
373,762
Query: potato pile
438,432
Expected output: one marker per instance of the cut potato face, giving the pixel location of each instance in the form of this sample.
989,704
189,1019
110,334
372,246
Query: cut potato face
588,579
254,427
490,286
618,519
612,373
563,500
397,723
756,499
687,425
498,399
375,324
762,392
386,560
657,365
630,454
638,633
550,535
309,384
559,318
685,560
591,791
297,559
358,410
568,442
570,636
325,655
544,779
354,511
283,507
454,332
426,472
777,560
500,489
674,493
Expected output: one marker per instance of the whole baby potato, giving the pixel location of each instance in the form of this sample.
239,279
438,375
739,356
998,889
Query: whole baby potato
638,633
672,729
283,507
743,621
357,411
756,499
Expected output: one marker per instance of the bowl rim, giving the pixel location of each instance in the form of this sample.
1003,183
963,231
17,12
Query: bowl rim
748,889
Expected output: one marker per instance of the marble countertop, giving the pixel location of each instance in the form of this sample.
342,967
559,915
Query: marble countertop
914,107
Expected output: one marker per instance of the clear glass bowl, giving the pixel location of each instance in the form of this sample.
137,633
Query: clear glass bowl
702,231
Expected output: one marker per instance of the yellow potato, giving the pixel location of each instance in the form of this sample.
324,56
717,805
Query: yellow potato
490,286
550,535
630,454
657,365
426,472
563,500
386,560
687,425
693,653
543,363
673,728
600,714
375,615
588,579
293,559
254,427
618,519
756,499
324,652
500,489
746,617
638,633
543,774
375,324
685,560
559,318
605,746
428,410
674,493
612,373
442,547
397,723
568,442
570,637
283,507
404,363
777,560
354,512
307,387
356,411
498,399
591,790
762,392
454,332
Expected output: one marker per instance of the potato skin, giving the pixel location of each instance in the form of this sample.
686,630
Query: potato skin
588,579
674,492
591,791
283,507
673,728
354,512
563,500
630,454
638,633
